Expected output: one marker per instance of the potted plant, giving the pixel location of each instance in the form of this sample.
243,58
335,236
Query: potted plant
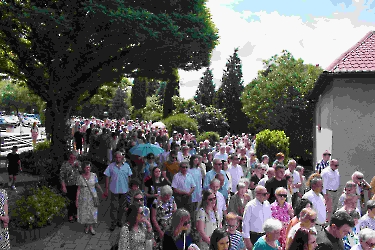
36,214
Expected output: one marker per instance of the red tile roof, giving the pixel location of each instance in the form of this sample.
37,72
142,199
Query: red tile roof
359,58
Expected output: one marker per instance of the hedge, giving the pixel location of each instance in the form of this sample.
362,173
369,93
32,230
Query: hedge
180,122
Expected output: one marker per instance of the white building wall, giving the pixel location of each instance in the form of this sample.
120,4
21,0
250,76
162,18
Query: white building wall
353,126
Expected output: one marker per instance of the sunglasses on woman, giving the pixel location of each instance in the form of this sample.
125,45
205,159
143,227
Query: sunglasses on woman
138,199
212,199
282,195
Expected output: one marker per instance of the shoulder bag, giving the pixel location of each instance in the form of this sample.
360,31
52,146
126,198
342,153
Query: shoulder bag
94,198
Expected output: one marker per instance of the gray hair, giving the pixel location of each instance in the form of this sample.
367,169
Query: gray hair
370,204
356,173
366,234
299,168
166,190
184,162
214,180
279,189
271,225
264,156
241,185
291,161
245,180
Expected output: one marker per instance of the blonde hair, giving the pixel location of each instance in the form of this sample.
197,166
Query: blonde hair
231,216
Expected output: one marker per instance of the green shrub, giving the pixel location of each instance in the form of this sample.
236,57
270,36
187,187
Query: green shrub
42,145
38,207
211,136
180,122
271,142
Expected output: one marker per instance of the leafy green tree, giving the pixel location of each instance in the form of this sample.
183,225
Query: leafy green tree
160,92
276,100
271,142
209,118
230,91
119,108
63,49
172,88
152,87
139,89
206,89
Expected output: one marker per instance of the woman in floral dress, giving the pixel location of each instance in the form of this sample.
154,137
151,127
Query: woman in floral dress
282,211
136,231
87,212
4,232
161,214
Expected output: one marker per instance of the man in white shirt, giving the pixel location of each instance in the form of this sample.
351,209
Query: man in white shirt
367,220
297,182
220,200
183,185
257,211
270,174
317,199
235,171
221,155
331,183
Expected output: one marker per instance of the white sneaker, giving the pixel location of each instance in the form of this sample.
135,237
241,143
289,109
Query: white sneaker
14,187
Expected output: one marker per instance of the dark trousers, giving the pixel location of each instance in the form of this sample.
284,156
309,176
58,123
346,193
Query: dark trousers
183,201
255,236
118,205
295,199
71,193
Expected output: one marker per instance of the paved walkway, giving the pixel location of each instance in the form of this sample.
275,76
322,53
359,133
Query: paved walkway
69,235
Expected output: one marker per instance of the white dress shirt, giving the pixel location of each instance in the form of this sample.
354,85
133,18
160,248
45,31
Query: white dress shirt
319,205
296,179
220,203
255,215
331,179
183,182
236,173
223,157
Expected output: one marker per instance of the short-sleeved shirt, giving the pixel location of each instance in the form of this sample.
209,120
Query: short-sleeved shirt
13,160
261,244
236,241
119,183
183,182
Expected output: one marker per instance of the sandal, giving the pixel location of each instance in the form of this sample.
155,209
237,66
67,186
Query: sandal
92,231
86,230
71,220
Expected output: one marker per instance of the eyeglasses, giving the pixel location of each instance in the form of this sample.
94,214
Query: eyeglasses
313,220
231,226
184,167
360,178
141,213
282,195
138,199
186,223
243,159
264,194
212,199
336,165
174,158
151,158
326,154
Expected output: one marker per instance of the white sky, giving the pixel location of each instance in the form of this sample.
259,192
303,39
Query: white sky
317,40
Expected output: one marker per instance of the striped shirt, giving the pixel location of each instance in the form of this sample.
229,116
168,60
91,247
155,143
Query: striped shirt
236,241
321,165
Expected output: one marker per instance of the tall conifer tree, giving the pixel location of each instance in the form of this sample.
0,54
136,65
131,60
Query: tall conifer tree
139,90
206,89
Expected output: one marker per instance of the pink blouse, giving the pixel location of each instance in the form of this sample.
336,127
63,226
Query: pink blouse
281,213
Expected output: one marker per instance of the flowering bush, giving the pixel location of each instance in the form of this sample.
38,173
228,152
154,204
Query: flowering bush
38,207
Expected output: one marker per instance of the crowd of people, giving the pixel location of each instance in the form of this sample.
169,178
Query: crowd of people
202,196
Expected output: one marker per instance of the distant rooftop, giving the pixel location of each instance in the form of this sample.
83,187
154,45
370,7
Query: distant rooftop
359,58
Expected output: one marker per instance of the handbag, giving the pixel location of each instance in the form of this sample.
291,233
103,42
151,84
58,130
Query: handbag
94,198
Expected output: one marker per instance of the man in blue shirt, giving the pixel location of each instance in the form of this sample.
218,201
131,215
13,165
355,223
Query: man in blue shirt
117,180
217,169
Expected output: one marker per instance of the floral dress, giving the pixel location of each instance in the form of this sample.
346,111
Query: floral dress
87,213
4,232
282,214
163,217
351,239
134,240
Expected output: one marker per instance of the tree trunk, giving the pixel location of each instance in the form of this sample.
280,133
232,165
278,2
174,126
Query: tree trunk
57,117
